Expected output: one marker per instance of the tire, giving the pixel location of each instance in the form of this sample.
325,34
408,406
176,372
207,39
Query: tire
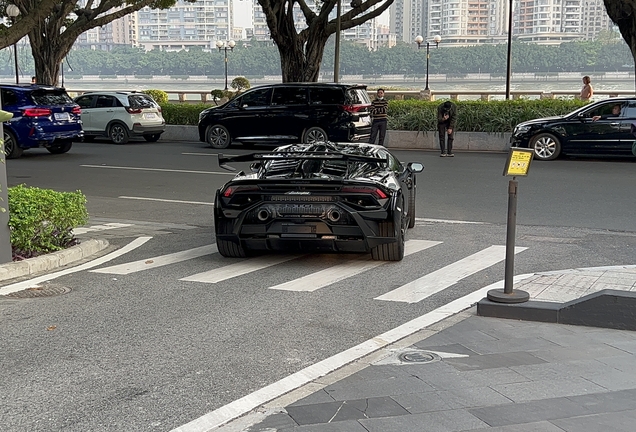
546,146
63,147
152,137
230,249
389,251
11,148
218,137
315,134
118,133
412,205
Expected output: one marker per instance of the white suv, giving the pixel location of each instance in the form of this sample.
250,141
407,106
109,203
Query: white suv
120,115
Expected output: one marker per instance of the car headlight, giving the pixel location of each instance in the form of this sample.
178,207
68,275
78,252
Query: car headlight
521,129
201,115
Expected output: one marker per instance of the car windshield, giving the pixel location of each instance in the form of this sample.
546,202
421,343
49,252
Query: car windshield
141,101
50,97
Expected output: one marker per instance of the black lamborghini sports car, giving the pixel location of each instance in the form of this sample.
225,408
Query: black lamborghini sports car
317,197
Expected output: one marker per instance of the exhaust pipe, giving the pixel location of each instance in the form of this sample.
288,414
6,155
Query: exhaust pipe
333,215
263,215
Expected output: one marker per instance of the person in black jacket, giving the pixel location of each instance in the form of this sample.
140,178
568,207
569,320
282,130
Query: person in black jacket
379,114
446,120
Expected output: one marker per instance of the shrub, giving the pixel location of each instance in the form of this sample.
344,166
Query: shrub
42,220
476,116
182,113
217,94
239,84
160,96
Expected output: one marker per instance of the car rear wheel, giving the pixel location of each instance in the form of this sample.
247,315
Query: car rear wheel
118,133
230,249
389,251
218,137
152,137
11,148
315,134
546,146
60,148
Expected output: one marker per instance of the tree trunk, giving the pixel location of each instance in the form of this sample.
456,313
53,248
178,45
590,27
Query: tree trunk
623,13
300,62
48,53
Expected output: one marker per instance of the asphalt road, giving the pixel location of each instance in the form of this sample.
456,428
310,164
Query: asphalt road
160,342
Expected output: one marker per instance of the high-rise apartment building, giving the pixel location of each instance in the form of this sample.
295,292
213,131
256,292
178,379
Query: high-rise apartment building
469,22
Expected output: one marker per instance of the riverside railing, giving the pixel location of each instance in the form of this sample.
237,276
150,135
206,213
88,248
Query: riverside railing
199,96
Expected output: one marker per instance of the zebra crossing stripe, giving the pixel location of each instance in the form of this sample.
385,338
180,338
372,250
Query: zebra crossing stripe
240,268
107,226
441,279
151,263
349,268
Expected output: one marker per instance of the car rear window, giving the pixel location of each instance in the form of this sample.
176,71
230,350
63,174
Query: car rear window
141,101
50,97
325,96
357,96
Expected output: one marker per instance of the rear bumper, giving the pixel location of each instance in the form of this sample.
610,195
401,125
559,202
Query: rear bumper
148,130
356,232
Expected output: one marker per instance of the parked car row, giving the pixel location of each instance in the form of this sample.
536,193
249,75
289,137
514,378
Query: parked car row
46,116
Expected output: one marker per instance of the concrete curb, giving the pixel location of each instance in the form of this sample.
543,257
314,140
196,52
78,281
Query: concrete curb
52,260
395,139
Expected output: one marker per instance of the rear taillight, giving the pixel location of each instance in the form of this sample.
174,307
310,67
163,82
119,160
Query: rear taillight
76,110
376,192
231,190
159,109
354,108
36,112
133,110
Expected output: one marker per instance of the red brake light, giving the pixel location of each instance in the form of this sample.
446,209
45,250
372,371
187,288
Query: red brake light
133,110
76,110
159,108
36,112
231,190
353,108
377,192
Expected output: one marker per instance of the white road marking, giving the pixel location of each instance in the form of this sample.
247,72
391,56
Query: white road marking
441,279
273,391
162,260
239,268
33,283
166,200
107,226
449,221
157,169
349,268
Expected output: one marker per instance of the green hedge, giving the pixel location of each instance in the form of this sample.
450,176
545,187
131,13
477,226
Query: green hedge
419,115
42,220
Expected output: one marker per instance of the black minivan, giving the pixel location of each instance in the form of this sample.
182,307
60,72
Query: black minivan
294,112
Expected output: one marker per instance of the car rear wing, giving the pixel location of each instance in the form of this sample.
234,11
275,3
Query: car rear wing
305,155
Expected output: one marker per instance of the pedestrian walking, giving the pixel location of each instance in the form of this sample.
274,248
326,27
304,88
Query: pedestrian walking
446,120
587,91
379,114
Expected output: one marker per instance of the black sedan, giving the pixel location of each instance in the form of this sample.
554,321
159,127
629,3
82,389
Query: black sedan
600,128
317,197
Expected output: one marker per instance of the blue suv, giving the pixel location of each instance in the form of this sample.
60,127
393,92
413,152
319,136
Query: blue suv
43,116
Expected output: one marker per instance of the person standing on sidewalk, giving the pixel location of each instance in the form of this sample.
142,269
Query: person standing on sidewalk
379,114
587,91
446,120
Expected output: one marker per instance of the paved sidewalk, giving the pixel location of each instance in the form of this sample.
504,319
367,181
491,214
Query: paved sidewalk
472,373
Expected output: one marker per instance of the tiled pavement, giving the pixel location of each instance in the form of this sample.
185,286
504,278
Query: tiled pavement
475,373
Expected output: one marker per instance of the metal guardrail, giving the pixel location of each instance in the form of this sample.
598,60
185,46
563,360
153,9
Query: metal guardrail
198,96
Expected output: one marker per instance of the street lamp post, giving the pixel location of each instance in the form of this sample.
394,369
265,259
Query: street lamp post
419,40
12,12
222,47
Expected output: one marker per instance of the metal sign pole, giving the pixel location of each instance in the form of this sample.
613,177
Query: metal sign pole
6,255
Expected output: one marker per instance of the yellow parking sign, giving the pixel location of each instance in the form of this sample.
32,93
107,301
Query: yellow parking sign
518,163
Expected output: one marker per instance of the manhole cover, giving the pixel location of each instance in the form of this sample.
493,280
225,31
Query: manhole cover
43,291
418,357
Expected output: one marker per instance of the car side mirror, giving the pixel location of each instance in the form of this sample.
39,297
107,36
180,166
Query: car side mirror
415,167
